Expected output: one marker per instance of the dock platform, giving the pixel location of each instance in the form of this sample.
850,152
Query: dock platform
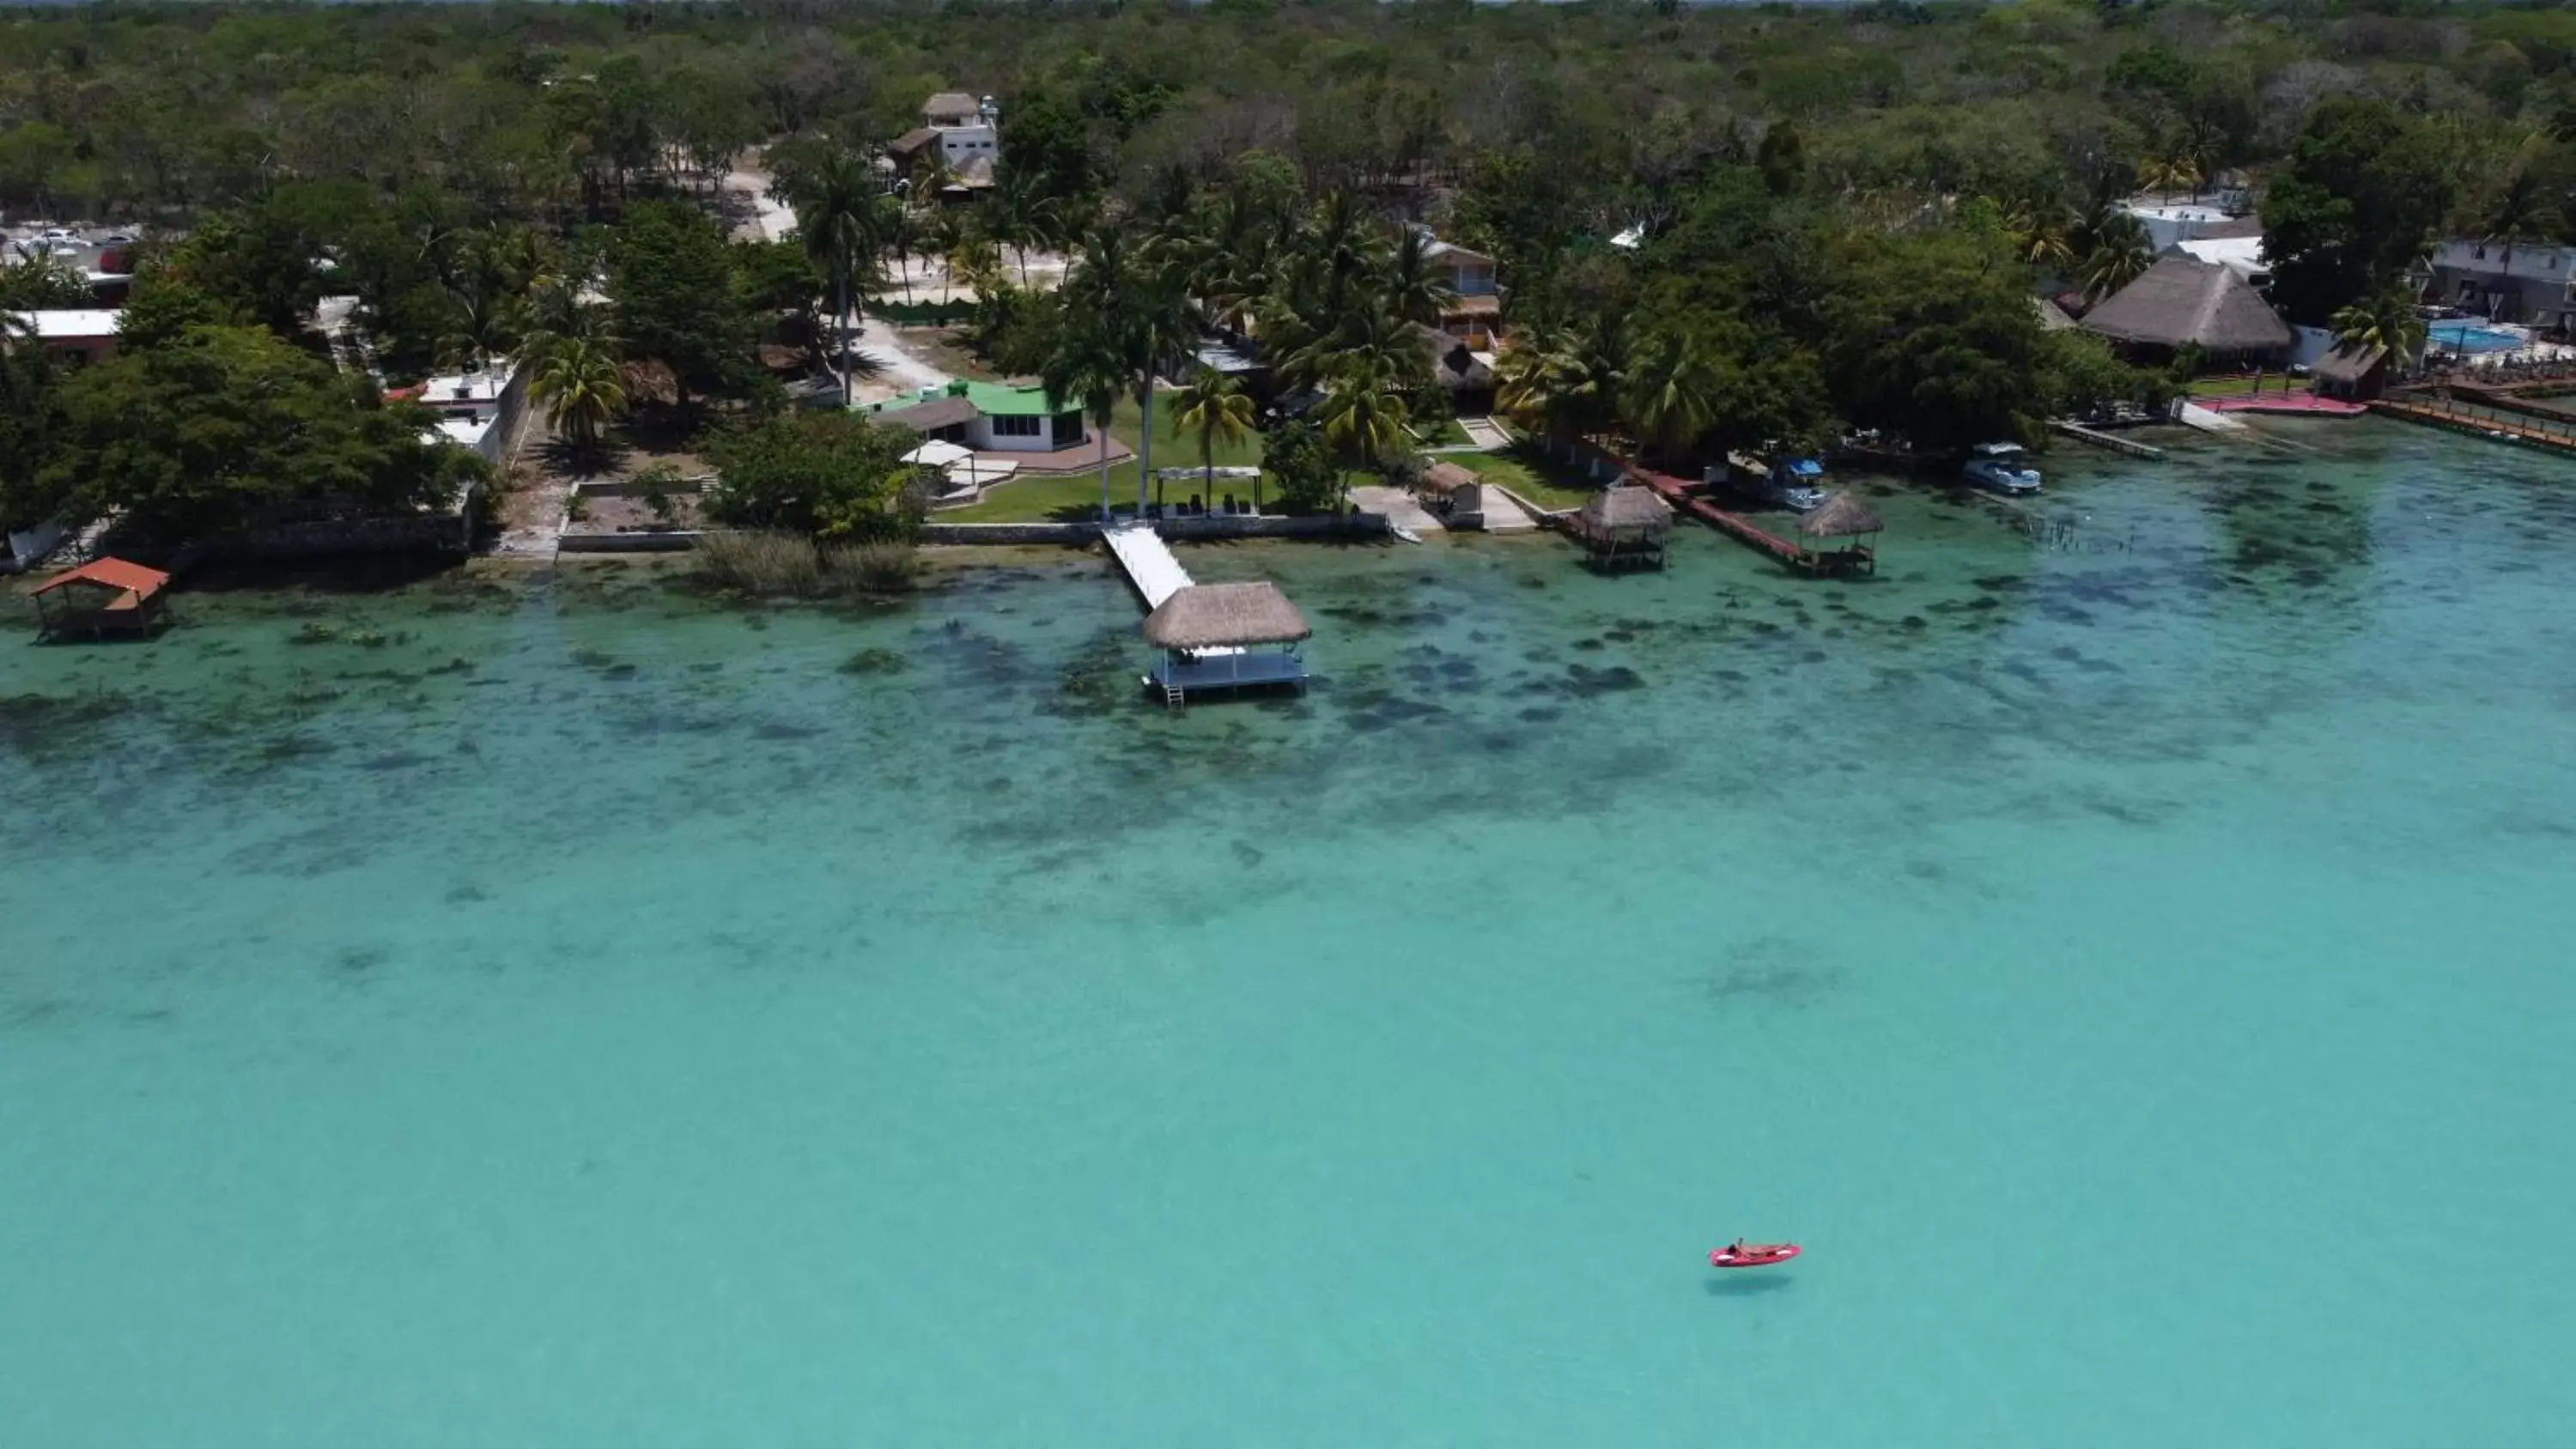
1858,558
1214,668
2485,422
2112,441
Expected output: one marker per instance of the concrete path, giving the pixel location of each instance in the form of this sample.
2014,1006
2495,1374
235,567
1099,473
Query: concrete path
1504,514
1398,506
1485,434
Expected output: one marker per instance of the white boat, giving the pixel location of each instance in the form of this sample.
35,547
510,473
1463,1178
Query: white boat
1797,483
2003,467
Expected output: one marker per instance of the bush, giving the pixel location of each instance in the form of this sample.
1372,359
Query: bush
765,563
876,568
769,564
653,487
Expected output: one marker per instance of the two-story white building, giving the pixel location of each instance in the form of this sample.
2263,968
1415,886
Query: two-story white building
2529,282
476,410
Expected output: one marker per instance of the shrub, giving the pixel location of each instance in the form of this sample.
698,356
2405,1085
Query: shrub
876,568
765,563
653,487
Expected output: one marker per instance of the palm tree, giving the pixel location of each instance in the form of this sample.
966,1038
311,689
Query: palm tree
2387,321
2174,170
1134,295
2120,255
1411,285
581,388
840,215
1214,410
1671,396
2041,235
1088,365
1364,418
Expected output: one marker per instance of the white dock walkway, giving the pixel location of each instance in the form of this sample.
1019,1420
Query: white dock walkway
1148,562
2196,416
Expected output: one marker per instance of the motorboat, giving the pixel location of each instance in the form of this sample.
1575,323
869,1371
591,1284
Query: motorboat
1796,483
2003,467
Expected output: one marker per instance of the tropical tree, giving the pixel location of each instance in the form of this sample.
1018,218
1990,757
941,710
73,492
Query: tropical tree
844,221
2120,255
2171,170
1364,418
2041,235
2386,320
1088,365
1214,409
1671,395
581,387
1411,285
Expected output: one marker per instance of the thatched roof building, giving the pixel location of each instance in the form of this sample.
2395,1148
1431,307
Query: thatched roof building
1444,478
1625,525
2354,374
1216,616
2183,302
1841,516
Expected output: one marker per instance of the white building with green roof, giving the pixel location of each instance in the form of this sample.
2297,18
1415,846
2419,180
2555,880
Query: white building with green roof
989,417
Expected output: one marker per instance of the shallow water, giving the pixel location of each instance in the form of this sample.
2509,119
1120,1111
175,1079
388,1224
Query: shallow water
508,1013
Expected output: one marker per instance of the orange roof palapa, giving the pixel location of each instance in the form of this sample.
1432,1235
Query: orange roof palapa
134,582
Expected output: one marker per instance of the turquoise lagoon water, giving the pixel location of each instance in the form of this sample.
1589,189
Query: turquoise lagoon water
2131,959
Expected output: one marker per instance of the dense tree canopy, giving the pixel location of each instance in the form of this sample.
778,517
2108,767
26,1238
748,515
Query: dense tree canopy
223,427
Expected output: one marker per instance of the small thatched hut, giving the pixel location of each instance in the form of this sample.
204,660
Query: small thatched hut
2182,302
1841,517
1212,637
1624,527
1458,494
2352,374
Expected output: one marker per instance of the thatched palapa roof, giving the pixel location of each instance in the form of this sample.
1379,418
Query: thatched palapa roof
1840,516
1211,616
2182,301
2348,364
1628,508
1446,477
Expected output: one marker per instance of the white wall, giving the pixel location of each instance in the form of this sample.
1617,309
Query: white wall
963,143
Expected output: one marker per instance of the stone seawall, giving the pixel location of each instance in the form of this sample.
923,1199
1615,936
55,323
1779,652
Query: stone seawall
1177,530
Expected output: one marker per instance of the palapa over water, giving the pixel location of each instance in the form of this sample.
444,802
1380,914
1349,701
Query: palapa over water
1840,516
1216,616
1624,525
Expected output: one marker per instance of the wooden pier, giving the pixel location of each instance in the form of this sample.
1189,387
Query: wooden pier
2112,441
1856,558
2484,422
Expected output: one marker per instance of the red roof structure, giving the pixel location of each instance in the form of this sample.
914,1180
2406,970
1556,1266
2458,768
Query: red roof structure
134,591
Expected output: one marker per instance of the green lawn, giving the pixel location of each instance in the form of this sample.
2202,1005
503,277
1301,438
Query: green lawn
1531,474
2273,384
1077,498
1443,434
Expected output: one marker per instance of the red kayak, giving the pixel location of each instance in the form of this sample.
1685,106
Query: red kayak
1755,1255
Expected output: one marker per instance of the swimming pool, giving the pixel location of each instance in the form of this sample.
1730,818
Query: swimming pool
2470,337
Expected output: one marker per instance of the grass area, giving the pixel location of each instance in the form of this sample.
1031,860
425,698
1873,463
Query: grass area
1444,434
1531,474
945,348
2274,385
1077,498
